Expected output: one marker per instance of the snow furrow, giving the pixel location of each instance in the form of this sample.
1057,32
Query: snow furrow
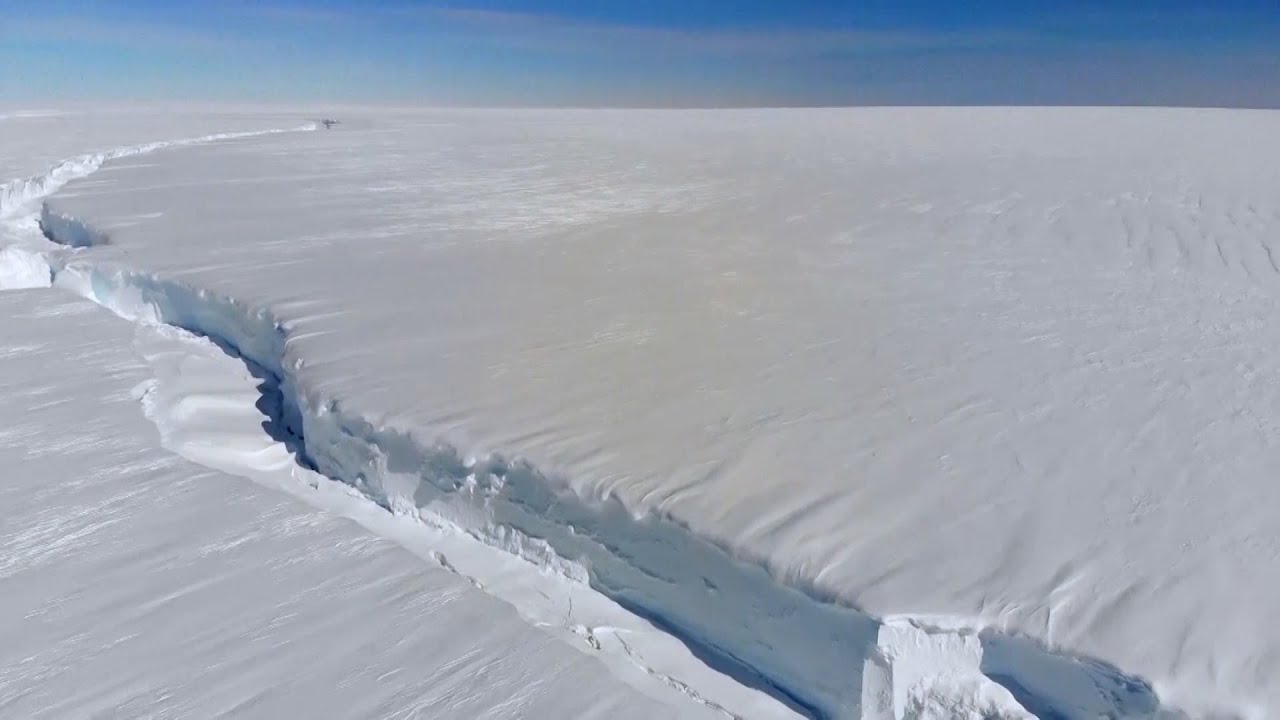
790,639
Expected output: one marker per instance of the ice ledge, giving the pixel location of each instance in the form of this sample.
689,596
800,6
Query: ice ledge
822,657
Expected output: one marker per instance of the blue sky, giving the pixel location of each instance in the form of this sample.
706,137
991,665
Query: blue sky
644,52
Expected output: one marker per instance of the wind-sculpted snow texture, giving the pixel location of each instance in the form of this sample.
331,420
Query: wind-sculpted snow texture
1000,379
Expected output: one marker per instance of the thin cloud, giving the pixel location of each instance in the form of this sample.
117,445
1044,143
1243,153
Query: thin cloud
300,14
121,33
559,34
550,32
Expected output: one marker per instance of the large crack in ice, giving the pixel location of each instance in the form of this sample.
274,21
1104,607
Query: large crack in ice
794,641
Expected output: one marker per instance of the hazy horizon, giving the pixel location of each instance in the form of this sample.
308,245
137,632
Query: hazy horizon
664,54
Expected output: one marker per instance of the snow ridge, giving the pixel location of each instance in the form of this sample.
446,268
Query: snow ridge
828,659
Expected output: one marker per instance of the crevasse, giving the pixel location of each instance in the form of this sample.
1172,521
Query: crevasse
823,657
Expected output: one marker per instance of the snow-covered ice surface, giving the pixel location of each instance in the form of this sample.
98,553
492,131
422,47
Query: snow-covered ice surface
134,583
893,412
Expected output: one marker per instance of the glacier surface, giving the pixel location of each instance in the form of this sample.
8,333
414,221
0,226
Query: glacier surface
889,413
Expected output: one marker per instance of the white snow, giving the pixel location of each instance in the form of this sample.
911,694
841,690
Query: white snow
21,268
999,379
920,674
